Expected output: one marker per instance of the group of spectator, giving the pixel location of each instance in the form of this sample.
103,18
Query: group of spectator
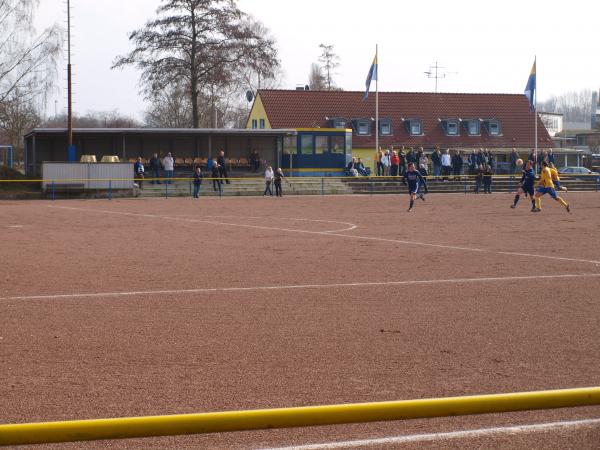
440,164
167,163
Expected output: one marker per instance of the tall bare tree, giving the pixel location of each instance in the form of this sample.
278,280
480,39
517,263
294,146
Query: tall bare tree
204,43
27,69
316,79
330,62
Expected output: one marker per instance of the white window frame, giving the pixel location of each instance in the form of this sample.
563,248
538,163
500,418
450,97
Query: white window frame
363,125
455,124
387,123
415,123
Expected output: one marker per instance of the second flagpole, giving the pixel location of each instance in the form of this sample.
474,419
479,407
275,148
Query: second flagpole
377,101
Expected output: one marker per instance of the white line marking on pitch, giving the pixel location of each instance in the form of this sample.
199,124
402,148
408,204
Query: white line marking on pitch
212,222
338,234
298,286
464,434
351,226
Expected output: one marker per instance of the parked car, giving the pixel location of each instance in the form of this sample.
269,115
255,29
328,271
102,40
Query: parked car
573,171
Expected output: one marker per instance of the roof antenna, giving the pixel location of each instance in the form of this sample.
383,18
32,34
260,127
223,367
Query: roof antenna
434,72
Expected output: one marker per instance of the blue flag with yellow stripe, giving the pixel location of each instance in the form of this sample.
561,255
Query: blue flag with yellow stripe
370,77
530,88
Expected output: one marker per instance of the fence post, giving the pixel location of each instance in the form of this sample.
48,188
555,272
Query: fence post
466,182
510,183
220,188
371,187
190,187
322,186
53,191
110,189
166,189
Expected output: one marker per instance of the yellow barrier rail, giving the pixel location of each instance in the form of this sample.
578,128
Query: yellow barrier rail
373,178
132,427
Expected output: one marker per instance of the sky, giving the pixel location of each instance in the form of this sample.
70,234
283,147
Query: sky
482,46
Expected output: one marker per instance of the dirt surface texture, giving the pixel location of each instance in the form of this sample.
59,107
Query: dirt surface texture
167,306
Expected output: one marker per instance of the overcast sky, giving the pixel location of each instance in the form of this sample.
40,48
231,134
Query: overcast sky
483,46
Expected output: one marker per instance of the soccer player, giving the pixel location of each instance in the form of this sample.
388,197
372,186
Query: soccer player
556,178
414,180
546,186
526,186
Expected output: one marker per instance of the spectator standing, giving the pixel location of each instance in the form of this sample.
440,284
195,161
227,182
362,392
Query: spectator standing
533,158
491,160
473,163
423,163
168,164
411,156
436,161
377,158
138,171
216,176
255,161
197,181
480,158
385,163
487,180
514,156
402,157
155,166
446,165
222,166
457,164
269,175
277,182
479,178
395,163
551,159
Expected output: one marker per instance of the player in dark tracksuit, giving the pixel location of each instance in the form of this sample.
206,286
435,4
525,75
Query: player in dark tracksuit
414,180
526,186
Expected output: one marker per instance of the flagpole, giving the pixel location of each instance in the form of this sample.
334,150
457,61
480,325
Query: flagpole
535,116
377,102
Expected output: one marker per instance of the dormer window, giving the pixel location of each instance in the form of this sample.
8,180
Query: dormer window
338,122
450,127
362,127
385,127
493,127
413,127
471,126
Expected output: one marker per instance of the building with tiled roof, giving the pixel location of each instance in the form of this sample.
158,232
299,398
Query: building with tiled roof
498,122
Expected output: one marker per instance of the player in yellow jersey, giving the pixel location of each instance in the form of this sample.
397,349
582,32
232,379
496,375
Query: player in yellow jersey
556,179
546,186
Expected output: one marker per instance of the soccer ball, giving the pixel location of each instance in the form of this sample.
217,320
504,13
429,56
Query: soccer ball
519,162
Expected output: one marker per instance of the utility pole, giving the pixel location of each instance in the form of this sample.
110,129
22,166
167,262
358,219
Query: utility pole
70,147
434,72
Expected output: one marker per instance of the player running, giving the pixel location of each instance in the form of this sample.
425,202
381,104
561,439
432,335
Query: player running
526,186
414,180
546,186
556,178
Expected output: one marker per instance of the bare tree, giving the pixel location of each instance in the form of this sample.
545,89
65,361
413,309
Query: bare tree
170,108
330,62
316,79
576,106
203,43
27,60
18,114
95,119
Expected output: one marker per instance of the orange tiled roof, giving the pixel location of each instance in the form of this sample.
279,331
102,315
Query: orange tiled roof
308,109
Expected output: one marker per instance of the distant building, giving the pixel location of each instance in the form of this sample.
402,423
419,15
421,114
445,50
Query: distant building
553,122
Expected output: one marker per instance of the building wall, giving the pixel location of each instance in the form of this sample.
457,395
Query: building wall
257,113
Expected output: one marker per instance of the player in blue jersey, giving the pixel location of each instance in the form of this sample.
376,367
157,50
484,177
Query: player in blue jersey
414,180
526,186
